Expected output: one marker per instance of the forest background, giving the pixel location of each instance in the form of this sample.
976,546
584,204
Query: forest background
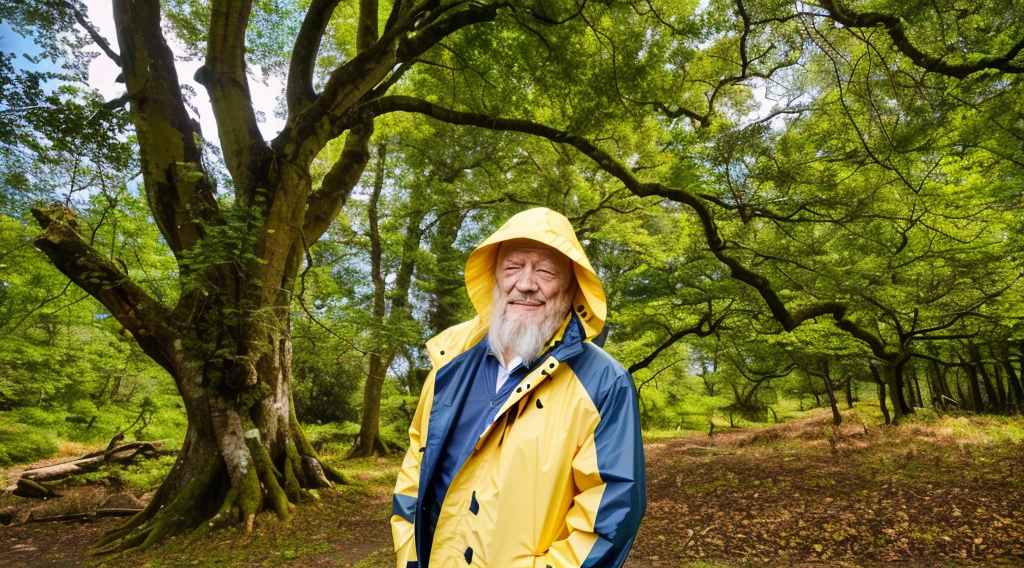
790,205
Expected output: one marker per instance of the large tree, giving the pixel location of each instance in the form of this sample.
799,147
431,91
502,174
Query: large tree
226,339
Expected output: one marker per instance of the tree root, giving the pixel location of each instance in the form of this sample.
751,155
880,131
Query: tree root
264,468
379,447
156,522
197,498
329,472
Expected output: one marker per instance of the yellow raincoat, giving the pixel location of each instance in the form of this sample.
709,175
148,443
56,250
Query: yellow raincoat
558,479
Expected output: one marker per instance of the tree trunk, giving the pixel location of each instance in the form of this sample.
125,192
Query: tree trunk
973,387
369,441
849,392
917,388
908,383
227,345
997,378
1015,386
240,454
837,419
881,394
893,373
384,349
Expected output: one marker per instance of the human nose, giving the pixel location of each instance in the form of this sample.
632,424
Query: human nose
527,281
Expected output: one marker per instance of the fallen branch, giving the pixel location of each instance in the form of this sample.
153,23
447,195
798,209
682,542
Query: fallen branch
98,513
91,462
32,490
29,484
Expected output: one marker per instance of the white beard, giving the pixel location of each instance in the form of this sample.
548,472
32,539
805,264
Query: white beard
509,338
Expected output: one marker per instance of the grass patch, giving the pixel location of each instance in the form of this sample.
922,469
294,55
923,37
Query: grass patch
23,443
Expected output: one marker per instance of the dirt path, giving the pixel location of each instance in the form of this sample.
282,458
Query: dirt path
790,495
794,495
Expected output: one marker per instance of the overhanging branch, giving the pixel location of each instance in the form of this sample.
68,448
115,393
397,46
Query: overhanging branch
789,320
142,315
896,29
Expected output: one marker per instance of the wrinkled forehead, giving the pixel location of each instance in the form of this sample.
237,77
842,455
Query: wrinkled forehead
530,249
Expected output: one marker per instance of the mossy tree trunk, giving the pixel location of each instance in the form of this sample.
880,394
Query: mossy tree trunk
227,340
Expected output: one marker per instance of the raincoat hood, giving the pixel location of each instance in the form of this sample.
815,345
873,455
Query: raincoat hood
554,230
543,226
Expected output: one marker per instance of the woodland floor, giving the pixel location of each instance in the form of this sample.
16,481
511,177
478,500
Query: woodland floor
945,492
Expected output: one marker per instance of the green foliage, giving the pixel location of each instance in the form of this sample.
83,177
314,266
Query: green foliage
20,443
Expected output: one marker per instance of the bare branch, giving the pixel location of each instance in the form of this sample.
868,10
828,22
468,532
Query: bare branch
299,91
94,34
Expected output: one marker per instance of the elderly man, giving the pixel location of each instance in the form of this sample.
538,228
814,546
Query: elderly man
525,448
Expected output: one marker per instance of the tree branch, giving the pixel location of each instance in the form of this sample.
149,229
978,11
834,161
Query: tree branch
143,316
895,27
179,193
225,80
326,202
699,330
615,167
348,85
299,91
94,34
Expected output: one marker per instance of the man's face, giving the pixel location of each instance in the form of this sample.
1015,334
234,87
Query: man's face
532,279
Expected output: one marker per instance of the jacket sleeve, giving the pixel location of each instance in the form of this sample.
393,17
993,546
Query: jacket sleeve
608,471
403,502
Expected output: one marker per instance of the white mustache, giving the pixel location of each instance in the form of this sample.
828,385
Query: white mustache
525,301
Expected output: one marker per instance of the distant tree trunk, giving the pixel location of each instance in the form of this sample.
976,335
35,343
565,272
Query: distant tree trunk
849,392
837,419
973,387
881,394
384,350
908,385
981,376
917,387
1015,385
893,374
994,403
369,440
966,402
997,378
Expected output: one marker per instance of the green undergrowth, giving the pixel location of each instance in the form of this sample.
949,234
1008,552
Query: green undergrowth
700,414
139,477
29,434
348,525
930,450
20,443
